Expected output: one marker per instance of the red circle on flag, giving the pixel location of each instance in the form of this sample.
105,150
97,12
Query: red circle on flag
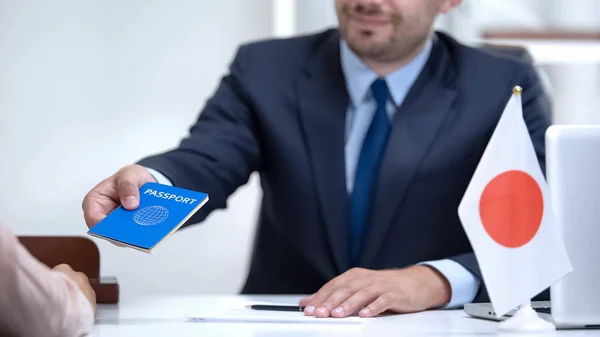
511,208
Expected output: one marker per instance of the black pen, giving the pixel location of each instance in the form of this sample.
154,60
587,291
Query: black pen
276,307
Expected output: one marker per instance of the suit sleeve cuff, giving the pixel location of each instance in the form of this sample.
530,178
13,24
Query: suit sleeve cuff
463,283
160,178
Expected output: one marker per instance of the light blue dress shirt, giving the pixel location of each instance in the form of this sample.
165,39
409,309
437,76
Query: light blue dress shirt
359,115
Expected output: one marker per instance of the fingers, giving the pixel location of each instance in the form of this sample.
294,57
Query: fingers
338,296
80,278
354,303
318,298
338,290
384,302
63,268
128,182
84,285
99,202
332,305
120,189
76,276
82,282
92,218
304,301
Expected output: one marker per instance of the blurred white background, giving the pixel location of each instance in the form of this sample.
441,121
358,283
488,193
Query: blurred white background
87,86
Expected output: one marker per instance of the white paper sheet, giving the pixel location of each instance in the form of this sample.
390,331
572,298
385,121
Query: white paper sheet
234,311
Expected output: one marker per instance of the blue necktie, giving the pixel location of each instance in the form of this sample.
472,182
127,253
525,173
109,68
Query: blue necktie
367,170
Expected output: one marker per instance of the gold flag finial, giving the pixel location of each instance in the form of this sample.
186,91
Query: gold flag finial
517,90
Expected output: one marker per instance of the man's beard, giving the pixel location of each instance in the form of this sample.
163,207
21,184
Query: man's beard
397,46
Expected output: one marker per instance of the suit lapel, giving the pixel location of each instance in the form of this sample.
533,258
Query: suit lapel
415,127
323,105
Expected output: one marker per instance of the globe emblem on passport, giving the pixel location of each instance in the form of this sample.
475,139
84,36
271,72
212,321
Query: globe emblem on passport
151,215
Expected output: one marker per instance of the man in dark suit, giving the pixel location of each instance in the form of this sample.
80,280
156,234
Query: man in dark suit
365,139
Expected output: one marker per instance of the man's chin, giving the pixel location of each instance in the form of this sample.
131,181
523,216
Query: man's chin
366,40
365,47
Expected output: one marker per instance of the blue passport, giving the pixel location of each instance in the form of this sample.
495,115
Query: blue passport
162,210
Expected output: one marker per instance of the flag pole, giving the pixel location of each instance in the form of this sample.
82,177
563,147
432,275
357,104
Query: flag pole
525,319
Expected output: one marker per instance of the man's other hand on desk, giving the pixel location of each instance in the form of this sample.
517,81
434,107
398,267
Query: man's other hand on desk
371,292
122,188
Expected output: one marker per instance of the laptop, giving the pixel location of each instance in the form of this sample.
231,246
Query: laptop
573,174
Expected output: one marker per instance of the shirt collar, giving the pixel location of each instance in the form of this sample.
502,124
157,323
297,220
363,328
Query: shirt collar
359,77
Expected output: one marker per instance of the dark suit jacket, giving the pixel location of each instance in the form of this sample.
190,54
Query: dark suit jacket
281,111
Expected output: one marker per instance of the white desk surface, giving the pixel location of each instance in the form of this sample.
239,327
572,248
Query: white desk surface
166,316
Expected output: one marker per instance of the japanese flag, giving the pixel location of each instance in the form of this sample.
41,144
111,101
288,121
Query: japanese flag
508,218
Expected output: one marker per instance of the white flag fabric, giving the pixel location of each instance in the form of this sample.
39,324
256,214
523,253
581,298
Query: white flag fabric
508,218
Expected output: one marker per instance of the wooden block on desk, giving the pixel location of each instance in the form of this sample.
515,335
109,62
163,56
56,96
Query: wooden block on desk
107,290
